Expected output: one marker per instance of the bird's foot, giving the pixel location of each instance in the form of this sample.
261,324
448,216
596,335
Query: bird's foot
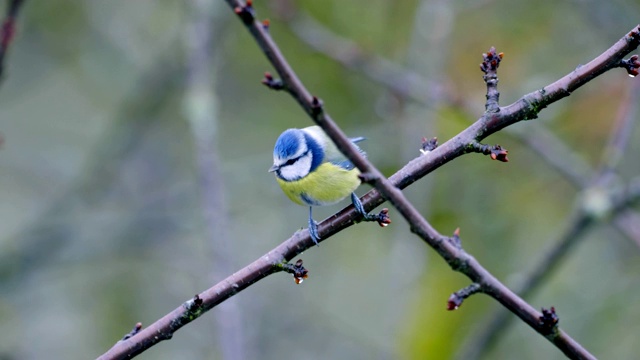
381,218
313,229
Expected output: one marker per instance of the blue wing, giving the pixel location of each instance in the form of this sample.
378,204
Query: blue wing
331,152
344,163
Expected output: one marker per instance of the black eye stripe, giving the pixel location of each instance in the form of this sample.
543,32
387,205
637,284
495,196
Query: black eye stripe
292,161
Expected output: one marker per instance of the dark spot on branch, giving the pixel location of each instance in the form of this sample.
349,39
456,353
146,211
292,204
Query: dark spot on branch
429,145
635,36
631,64
498,153
298,271
549,320
271,83
383,218
247,13
136,329
316,106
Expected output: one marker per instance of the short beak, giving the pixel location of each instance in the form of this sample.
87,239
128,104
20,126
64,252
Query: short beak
273,168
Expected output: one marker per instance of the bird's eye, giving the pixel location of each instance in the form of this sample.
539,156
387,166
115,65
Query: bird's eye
290,162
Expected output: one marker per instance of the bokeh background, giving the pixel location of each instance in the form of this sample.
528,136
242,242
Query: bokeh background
136,139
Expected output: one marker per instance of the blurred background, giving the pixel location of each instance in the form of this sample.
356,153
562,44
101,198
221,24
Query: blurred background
133,175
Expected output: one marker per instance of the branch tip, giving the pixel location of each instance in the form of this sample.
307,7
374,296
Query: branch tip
456,299
455,239
316,106
495,152
383,218
266,23
269,81
246,13
631,64
635,35
498,153
491,61
428,145
297,270
489,66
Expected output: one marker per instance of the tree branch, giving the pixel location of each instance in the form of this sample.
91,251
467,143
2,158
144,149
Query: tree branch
600,201
413,86
525,108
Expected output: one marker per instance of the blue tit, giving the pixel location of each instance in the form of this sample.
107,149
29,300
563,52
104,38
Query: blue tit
312,171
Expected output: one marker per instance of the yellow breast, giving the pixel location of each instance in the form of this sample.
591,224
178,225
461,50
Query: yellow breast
327,185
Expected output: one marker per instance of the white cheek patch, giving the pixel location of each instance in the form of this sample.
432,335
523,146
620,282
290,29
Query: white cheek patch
297,170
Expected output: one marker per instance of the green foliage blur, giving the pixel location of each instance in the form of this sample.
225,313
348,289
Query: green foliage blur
101,198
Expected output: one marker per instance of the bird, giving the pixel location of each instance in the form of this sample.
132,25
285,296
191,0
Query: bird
312,172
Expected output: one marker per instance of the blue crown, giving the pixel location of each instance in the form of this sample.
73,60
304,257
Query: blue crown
287,144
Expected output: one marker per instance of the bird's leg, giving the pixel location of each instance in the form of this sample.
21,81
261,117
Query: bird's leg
360,209
313,228
382,218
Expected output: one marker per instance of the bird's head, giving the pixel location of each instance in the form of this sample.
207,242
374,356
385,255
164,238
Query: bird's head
295,155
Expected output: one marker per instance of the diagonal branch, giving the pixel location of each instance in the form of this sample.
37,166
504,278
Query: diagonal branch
600,201
413,86
459,260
